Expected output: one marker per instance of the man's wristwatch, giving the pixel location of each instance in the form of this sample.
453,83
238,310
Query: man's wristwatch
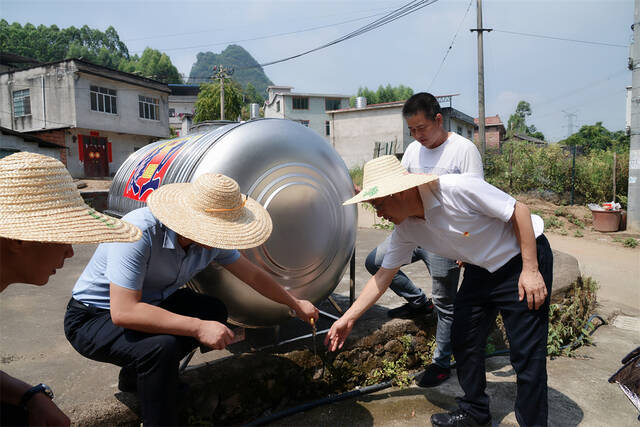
40,388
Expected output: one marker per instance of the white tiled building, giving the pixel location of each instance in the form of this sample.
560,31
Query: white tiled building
99,115
309,109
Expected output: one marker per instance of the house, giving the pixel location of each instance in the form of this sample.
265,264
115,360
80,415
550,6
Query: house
182,100
14,142
309,109
362,133
99,115
527,138
494,132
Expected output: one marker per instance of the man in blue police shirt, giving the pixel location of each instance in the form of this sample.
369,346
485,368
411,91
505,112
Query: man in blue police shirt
127,306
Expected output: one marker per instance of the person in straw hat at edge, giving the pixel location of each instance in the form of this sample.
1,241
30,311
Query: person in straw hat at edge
508,268
41,215
128,307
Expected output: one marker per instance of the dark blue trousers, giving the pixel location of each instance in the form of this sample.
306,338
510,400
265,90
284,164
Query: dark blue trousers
155,357
481,296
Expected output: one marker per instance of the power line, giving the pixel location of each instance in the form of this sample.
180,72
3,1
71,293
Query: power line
269,35
229,28
450,45
561,38
407,9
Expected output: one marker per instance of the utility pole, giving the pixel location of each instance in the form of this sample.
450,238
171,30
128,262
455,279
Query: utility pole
570,117
633,200
481,115
221,72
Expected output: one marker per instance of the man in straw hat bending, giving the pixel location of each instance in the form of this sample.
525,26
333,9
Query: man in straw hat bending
127,306
41,215
508,268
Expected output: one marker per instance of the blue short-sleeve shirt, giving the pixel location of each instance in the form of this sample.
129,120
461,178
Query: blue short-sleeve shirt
156,264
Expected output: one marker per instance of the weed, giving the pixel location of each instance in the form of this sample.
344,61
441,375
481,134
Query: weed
630,242
567,319
357,173
560,212
562,232
575,221
578,233
552,222
394,370
537,212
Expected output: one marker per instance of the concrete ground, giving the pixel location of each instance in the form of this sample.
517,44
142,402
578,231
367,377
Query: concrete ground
33,348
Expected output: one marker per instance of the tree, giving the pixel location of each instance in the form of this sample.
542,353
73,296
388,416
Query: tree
597,137
153,64
384,94
517,123
208,103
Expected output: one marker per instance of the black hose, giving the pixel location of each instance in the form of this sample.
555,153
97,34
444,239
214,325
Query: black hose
381,386
309,405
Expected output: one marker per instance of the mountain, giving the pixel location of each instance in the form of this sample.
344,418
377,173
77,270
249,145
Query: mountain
246,69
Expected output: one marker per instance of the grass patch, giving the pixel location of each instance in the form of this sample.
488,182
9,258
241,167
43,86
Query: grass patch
630,242
578,233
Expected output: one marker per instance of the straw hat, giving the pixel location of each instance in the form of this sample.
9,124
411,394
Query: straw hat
39,202
384,176
212,212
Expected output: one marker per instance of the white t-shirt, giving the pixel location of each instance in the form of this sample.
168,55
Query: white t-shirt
456,155
466,219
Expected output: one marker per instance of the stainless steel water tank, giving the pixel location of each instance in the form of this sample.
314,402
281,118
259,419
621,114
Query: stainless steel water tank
289,169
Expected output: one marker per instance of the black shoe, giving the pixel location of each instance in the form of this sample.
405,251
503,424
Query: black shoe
457,418
407,311
434,375
128,379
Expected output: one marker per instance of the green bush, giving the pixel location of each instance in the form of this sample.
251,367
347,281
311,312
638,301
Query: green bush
521,167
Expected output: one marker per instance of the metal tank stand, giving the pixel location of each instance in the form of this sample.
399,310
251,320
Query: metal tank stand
352,297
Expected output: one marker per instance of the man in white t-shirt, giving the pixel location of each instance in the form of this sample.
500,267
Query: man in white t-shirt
508,269
435,151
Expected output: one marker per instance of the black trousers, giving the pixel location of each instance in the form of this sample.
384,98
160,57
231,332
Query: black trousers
155,357
481,296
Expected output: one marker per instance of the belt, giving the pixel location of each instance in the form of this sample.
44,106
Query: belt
74,303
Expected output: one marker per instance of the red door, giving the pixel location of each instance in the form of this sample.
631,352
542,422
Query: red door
95,156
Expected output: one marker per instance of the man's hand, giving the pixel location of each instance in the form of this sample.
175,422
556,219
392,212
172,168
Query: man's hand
305,311
43,412
214,334
532,285
338,333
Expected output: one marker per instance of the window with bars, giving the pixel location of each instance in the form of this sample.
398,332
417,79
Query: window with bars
103,100
149,108
21,103
327,128
331,104
300,103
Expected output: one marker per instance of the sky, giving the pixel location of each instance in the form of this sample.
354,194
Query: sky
568,58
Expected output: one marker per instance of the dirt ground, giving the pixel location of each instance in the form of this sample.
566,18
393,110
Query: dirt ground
93,184
573,221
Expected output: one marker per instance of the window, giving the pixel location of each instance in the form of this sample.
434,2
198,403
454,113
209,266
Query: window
21,103
300,103
149,107
172,112
331,104
278,106
459,130
469,133
327,128
304,122
103,100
